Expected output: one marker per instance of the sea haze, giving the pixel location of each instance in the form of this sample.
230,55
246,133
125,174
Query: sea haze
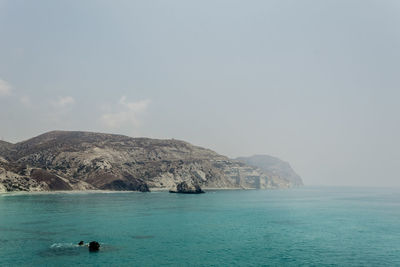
303,226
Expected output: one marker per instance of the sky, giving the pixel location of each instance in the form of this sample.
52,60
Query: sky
315,83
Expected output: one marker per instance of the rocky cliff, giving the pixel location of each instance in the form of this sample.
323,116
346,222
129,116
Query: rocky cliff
62,160
273,167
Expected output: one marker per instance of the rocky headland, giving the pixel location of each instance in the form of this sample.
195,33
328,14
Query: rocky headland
63,160
273,167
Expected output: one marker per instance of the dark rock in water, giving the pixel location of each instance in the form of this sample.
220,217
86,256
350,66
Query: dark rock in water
94,246
81,243
185,188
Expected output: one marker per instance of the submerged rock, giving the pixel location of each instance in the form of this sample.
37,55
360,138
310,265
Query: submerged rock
185,188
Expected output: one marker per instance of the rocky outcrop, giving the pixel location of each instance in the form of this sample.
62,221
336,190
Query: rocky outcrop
94,246
273,167
11,181
185,188
53,182
120,185
61,160
24,179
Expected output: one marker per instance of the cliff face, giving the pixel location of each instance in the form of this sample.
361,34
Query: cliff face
81,161
273,167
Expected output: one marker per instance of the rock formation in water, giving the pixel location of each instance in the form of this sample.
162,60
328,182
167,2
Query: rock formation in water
186,188
62,160
94,246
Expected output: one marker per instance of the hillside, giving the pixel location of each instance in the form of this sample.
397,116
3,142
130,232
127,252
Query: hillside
5,147
62,160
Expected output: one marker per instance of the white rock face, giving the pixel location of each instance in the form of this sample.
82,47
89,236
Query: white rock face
2,188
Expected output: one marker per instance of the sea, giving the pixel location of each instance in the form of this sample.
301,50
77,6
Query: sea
308,226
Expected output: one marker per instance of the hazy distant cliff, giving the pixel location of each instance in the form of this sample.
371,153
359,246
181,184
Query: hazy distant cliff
62,160
273,167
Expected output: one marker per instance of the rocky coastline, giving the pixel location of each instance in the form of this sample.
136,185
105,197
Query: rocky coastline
82,161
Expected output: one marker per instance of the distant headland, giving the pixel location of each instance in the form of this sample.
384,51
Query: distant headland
66,160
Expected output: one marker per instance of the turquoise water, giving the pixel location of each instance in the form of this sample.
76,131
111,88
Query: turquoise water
298,227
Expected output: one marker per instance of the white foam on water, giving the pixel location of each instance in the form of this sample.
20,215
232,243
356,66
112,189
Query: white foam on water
63,245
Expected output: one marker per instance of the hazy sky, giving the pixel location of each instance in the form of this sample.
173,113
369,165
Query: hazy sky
316,83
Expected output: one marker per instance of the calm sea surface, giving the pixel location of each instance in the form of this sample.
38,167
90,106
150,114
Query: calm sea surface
298,227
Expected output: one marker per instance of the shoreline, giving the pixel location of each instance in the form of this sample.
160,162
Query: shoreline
156,189
64,192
